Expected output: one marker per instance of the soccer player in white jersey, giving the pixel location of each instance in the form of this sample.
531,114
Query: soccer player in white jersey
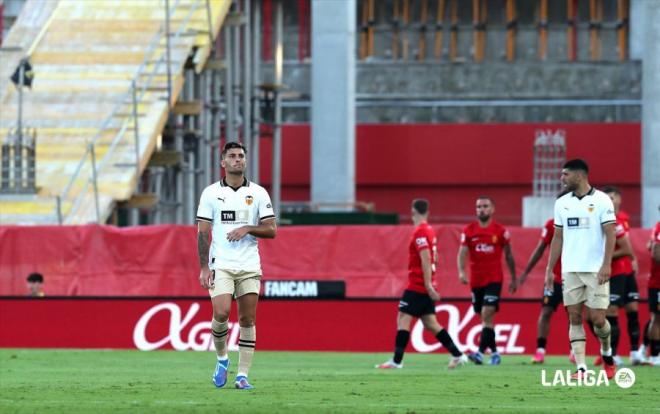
237,212
584,237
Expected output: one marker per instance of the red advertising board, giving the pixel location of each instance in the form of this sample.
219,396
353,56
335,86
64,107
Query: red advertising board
282,325
163,261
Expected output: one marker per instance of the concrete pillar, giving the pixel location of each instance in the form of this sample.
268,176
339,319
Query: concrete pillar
333,101
637,32
651,116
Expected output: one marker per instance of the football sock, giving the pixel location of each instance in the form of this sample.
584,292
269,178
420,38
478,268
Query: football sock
591,327
655,347
615,332
447,342
633,330
578,343
493,345
400,344
604,335
646,340
487,337
541,342
246,343
219,330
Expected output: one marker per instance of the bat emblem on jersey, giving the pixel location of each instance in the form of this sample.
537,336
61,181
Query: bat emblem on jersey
249,200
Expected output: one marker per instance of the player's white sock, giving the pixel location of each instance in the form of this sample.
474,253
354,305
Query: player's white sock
604,335
246,343
578,344
219,331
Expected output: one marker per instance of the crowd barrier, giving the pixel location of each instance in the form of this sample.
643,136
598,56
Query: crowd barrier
282,325
162,260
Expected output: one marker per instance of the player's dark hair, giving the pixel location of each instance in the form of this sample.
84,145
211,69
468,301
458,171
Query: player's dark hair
420,205
231,145
577,165
485,197
610,189
35,278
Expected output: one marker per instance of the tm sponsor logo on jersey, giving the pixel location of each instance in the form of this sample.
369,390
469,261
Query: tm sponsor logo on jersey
234,216
577,222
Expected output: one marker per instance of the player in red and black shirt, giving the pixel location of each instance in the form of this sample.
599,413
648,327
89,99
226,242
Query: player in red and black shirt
653,326
485,240
419,297
623,285
550,299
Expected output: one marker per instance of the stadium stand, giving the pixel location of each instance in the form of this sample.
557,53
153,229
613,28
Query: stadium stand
86,57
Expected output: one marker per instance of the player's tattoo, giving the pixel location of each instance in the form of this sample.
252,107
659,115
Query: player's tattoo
203,247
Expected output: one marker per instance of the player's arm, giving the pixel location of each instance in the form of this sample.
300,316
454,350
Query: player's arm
655,251
511,264
462,255
203,245
427,272
625,249
533,260
267,229
610,240
555,254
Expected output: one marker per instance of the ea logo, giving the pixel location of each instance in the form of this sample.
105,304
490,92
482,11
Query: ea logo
625,378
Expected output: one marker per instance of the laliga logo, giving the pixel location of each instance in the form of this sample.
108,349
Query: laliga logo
624,378
199,338
504,333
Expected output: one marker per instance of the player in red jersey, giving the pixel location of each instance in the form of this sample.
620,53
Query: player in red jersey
551,300
484,240
623,285
419,297
654,296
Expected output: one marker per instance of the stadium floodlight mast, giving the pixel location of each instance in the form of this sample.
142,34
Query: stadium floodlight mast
22,139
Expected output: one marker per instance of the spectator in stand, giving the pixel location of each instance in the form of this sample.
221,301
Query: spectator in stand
35,284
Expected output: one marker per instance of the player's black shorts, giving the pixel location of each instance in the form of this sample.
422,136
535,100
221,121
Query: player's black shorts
488,295
553,299
654,301
623,290
416,304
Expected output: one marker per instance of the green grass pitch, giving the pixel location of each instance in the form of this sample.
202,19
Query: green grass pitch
73,381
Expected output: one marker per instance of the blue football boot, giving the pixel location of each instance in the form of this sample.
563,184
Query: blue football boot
476,357
220,374
242,383
495,359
